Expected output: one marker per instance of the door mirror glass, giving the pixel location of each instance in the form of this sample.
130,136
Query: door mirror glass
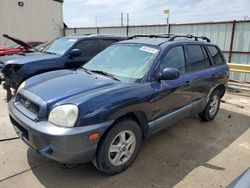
168,74
75,53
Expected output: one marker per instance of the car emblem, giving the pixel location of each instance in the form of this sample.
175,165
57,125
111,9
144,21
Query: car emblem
27,103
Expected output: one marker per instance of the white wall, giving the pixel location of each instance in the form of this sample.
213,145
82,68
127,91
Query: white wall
36,20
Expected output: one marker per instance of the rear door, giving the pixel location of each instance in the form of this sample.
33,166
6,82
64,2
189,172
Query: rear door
201,75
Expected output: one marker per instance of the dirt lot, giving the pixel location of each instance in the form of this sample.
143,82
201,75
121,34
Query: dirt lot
188,154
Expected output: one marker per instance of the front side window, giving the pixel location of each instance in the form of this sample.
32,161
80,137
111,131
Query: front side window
59,46
126,62
107,42
216,56
89,48
196,58
175,58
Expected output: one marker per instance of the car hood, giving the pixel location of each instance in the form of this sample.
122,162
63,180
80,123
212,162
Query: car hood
58,85
18,41
27,58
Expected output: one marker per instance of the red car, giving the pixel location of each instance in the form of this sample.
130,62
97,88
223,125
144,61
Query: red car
21,47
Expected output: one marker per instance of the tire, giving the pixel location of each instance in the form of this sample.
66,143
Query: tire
212,107
124,139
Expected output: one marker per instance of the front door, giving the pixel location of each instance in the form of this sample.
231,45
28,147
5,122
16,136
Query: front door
89,48
172,97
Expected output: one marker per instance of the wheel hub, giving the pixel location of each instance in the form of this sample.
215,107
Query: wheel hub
122,148
214,105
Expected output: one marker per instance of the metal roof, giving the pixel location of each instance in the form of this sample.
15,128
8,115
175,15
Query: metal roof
60,1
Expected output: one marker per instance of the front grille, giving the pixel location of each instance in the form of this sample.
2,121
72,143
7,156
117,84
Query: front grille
32,107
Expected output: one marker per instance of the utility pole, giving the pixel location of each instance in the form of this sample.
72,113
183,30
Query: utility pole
96,25
121,18
127,23
127,19
166,12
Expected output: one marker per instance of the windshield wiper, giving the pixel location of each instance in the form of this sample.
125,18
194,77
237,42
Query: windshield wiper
105,74
49,52
86,70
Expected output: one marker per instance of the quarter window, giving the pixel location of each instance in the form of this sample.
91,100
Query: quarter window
208,63
88,48
197,61
217,58
175,58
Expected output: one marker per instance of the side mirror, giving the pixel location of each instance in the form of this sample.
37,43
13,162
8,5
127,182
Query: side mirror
168,74
75,53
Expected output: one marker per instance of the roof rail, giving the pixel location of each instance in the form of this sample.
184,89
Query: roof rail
152,36
171,37
196,38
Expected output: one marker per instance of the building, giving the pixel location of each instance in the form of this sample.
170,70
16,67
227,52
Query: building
40,20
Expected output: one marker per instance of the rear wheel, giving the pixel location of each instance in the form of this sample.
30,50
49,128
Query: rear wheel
119,148
212,107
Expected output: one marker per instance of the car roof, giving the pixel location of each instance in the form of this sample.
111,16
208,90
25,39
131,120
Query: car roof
83,36
147,41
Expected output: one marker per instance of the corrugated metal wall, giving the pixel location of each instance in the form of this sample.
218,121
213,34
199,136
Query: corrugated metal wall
219,33
36,20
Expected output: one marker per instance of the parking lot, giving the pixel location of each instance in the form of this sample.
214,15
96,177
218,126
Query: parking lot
188,154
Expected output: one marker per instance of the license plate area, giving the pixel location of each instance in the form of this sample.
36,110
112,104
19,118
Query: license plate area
22,132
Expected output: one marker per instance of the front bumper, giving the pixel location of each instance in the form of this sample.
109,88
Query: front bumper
65,145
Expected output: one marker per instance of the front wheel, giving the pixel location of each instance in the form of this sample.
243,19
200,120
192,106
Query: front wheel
119,148
212,107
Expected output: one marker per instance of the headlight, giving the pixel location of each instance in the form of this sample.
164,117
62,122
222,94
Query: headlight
64,115
21,86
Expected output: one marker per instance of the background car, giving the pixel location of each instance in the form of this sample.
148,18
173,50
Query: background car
131,90
19,47
62,53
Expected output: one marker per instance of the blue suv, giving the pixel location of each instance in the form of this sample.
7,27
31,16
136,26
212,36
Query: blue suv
68,52
134,88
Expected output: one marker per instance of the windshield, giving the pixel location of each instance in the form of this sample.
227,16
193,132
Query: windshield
59,46
126,62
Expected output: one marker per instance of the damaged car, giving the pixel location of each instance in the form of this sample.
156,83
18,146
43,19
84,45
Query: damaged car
19,46
68,52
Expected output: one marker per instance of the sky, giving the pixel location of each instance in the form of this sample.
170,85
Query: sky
83,13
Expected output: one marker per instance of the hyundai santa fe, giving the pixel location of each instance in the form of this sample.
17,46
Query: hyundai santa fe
134,88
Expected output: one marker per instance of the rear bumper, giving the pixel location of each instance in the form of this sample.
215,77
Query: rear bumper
65,145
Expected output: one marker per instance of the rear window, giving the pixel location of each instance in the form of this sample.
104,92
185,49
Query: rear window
196,56
216,55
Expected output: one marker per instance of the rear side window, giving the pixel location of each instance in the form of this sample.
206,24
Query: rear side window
89,48
107,42
175,58
196,58
216,56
